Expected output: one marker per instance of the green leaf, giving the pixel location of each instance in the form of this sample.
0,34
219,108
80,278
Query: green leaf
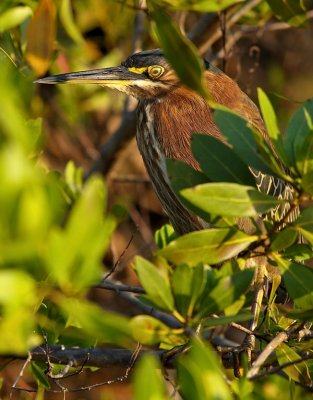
271,124
164,236
297,128
291,11
67,19
298,279
307,182
303,315
219,162
38,370
207,246
228,290
213,6
299,252
148,380
188,284
148,330
230,199
14,16
157,287
298,372
304,223
303,151
284,239
242,138
178,50
103,326
199,374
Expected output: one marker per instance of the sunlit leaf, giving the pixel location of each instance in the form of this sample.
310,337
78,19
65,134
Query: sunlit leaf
14,16
156,286
291,11
230,199
207,246
304,223
299,371
66,16
164,235
199,5
148,330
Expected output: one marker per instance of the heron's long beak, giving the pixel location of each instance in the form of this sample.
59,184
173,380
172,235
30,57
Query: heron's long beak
109,76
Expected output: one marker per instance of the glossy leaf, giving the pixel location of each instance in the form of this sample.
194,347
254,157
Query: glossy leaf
298,372
242,139
297,128
298,279
148,381
226,292
41,34
299,252
178,50
207,246
271,123
200,376
291,11
284,239
157,287
219,162
188,284
230,199
14,16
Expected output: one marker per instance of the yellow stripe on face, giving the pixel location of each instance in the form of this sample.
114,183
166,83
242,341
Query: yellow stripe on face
138,70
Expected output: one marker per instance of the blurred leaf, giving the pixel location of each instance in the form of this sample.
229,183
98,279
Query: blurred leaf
219,162
298,279
271,124
73,177
299,252
303,315
18,301
298,128
67,19
307,182
291,11
41,34
298,372
14,16
283,239
226,292
88,241
188,284
199,5
207,246
148,381
304,223
148,330
103,326
199,374
164,236
178,50
38,371
157,288
242,138
230,199
303,151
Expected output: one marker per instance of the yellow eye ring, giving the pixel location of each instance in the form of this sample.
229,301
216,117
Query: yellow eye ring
155,71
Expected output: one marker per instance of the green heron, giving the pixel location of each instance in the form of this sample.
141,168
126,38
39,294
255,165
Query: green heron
168,114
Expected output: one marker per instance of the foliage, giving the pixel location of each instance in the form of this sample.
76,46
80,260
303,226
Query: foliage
56,229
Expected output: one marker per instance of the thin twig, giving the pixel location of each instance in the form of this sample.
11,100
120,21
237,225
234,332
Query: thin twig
117,287
279,339
27,361
117,262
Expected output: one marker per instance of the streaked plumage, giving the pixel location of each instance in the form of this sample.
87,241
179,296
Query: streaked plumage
168,114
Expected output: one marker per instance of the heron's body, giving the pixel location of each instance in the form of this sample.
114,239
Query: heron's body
168,115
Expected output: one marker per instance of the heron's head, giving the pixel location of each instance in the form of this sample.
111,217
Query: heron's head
142,75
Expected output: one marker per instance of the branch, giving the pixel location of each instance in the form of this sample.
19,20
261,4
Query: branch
117,287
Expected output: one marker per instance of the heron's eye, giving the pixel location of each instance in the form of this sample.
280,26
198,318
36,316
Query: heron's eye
155,71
